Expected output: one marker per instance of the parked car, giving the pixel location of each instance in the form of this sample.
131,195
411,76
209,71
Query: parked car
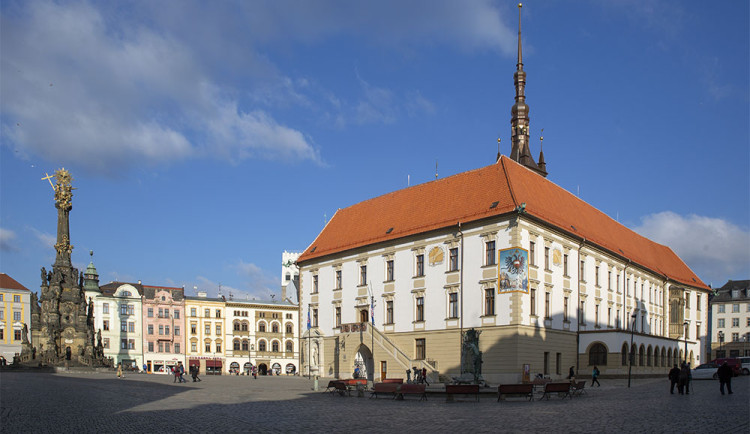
733,363
745,365
706,371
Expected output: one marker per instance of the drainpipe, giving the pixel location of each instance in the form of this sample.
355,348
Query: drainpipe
461,300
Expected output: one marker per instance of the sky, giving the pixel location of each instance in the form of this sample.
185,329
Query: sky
205,138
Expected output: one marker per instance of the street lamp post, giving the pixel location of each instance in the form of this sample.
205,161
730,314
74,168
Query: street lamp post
685,324
721,341
632,353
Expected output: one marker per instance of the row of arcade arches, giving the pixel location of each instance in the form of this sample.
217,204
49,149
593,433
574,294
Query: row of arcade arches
643,355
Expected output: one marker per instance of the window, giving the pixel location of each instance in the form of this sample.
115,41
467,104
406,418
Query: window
123,309
453,305
161,313
150,313
166,347
722,308
420,266
151,329
687,301
489,301
105,308
244,346
596,275
123,326
161,329
236,345
389,312
546,363
735,308
582,313
176,331
546,305
207,313
2,332
420,309
193,347
176,316
565,264
16,315
262,346
558,363
131,309
207,329
609,280
105,342
218,313
420,349
389,270
2,314
582,274
150,347
698,302
565,309
105,324
338,279
236,326
208,347
596,315
123,344
598,355
166,330
533,301
489,253
453,262
363,274
735,322
748,322
193,329
289,329
275,346
218,347
338,316
289,346
177,348
532,253
720,323
315,317
735,337
546,258
275,328
218,329
243,326
262,327
315,284
17,335
609,317
193,312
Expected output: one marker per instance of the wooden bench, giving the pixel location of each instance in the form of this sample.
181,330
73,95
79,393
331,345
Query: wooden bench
384,388
562,389
331,388
579,388
411,389
461,389
393,380
526,390
342,388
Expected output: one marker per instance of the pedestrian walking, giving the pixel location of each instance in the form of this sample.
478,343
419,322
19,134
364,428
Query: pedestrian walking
595,377
682,383
725,377
255,373
181,372
408,376
424,376
119,371
176,375
674,378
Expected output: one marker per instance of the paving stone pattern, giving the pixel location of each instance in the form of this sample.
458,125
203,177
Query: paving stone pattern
54,403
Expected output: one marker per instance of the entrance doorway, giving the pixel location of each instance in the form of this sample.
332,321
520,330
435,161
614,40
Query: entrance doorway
363,361
262,369
67,353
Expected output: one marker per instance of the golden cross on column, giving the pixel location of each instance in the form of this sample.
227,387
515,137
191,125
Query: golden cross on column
49,178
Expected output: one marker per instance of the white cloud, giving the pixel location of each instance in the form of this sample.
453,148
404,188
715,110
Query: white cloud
45,238
7,240
76,88
714,248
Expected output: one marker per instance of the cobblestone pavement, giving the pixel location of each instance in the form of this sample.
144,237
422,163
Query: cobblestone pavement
36,402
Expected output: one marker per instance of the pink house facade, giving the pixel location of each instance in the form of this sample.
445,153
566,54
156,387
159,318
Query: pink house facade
163,328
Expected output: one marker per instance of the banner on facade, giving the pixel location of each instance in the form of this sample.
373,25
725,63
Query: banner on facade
513,271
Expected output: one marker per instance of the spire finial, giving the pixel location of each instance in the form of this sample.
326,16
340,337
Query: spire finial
541,140
498,150
520,60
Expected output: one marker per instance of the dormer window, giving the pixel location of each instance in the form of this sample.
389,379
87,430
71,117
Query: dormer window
735,293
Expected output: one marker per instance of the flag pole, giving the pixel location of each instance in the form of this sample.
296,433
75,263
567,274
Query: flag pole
309,349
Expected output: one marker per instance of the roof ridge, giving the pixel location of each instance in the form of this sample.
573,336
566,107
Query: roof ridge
507,179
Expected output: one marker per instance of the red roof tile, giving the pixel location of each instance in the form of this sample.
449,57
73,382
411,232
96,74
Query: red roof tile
470,196
7,282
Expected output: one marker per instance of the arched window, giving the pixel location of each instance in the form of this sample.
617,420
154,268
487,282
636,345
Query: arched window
261,345
261,327
244,345
624,352
236,326
244,326
598,355
275,346
275,327
641,355
289,328
236,344
289,346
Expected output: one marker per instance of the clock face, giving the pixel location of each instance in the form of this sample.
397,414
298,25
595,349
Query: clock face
436,256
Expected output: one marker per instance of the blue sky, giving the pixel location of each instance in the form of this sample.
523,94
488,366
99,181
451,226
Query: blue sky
205,138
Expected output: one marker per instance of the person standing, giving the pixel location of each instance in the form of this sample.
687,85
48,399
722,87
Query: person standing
595,377
424,376
119,370
725,377
674,378
408,376
682,383
572,375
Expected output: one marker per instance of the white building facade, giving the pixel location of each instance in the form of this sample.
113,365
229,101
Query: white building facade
730,316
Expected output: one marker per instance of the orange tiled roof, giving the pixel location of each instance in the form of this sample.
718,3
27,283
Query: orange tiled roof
470,196
7,282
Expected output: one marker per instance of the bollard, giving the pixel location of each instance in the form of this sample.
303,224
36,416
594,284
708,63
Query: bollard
315,384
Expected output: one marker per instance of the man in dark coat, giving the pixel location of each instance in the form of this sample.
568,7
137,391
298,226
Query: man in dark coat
674,377
682,385
725,377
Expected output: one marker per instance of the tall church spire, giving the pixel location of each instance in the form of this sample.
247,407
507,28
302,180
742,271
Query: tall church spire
519,121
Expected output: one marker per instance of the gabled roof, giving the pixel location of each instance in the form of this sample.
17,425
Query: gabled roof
490,191
726,292
7,282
